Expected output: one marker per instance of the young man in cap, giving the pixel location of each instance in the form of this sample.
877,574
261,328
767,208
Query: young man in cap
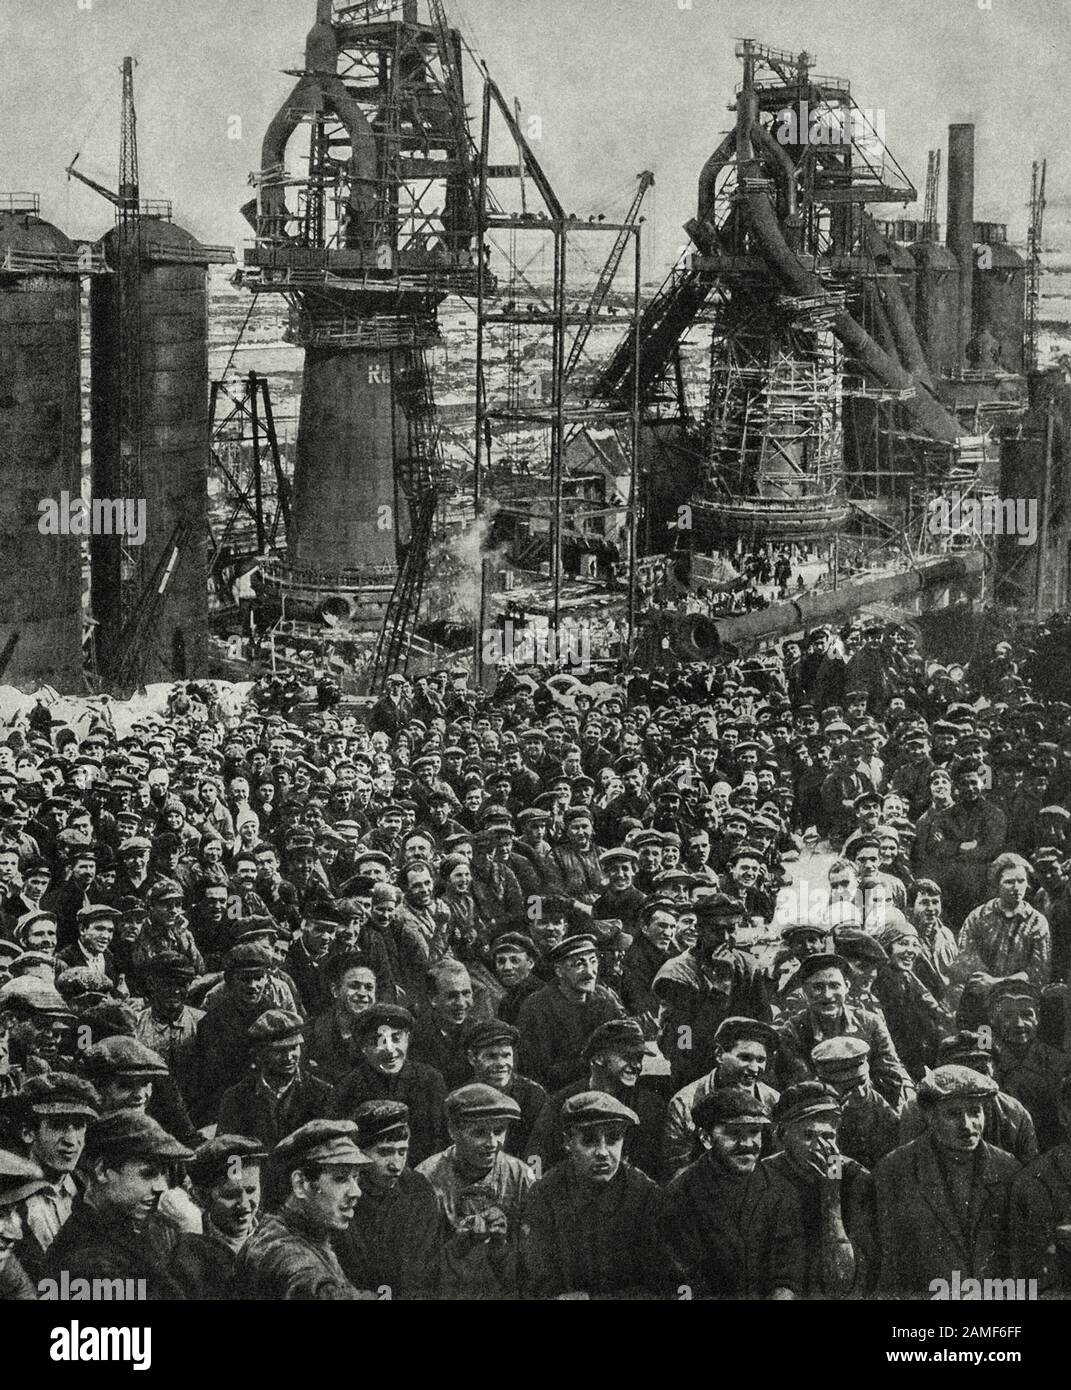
385,1072
556,1021
944,1199
1023,1065
491,1052
438,1035
825,980
225,1174
822,1196
168,1024
653,944
513,960
590,1227
278,1096
869,1126
331,1045
290,1255
480,1189
20,1181
614,1054
53,1112
392,1247
745,1050
117,1228
222,1048
719,1242
968,837
96,928
128,1075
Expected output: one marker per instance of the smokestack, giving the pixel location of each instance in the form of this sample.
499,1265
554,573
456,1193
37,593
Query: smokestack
959,236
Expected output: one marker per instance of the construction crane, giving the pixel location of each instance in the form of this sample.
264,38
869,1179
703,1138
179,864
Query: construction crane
1033,265
609,272
127,202
929,206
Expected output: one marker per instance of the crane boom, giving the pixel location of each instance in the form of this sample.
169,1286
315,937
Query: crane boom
609,271
1033,264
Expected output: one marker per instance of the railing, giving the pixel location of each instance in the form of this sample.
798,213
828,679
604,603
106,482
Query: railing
20,202
84,262
298,576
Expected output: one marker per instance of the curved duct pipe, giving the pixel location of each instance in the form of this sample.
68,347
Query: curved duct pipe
708,176
321,85
909,349
784,169
880,321
930,416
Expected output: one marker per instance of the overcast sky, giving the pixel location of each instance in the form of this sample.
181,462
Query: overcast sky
620,85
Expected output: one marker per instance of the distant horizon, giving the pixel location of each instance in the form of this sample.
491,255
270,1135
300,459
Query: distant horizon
596,74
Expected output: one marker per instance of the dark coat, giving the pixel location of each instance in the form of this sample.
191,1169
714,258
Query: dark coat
643,1142
205,1268
327,1052
922,1236
394,1240
285,1259
418,1086
443,1051
1033,1077
90,1245
598,1239
798,1202
1041,1201
554,1030
249,1108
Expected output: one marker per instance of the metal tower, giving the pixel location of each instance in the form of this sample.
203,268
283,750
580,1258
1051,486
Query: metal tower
1033,264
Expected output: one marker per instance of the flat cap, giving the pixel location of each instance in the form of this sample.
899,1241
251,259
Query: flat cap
94,911
737,1028
614,1035
328,1143
382,1016
730,1105
480,1102
19,1178
826,960
123,1056
854,944
488,1033
514,940
29,995
211,1160
1012,988
381,1121
169,965
805,1099
620,855
165,891
953,1082
596,1108
276,1026
841,1058
248,958
132,1134
966,1046
59,1093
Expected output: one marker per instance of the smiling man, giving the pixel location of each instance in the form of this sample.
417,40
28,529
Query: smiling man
225,1173
386,1073
556,1021
290,1254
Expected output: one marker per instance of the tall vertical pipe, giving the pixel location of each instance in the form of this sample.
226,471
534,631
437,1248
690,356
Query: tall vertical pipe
959,233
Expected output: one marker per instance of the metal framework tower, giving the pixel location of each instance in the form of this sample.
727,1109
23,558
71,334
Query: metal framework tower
364,244
1033,264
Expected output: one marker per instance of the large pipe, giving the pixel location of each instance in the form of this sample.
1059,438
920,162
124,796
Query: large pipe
930,416
908,347
959,232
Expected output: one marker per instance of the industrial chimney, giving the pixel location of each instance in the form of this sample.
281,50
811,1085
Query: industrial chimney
959,236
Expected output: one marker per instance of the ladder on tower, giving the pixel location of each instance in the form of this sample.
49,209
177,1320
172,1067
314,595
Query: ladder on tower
1033,265
608,275
403,608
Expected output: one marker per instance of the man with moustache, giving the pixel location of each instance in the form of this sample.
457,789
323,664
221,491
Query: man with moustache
614,1055
556,1021
290,1255
385,1072
393,1244
590,1226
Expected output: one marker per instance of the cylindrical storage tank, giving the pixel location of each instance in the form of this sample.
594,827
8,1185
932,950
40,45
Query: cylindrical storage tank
171,422
40,455
999,302
937,304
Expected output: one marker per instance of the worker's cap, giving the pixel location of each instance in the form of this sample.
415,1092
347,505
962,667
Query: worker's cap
59,1093
736,1029
967,1046
169,965
382,1016
735,815
856,945
596,1108
953,1082
19,1178
745,852
578,813
480,1102
27,995
1012,989
841,1059
123,1056
514,940
136,844
276,1028
381,1122
97,912
579,944
826,960
805,1100
718,908
490,1032
620,855
732,1106
616,1035
212,1160
645,838
533,815
248,960
127,1134
325,1143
